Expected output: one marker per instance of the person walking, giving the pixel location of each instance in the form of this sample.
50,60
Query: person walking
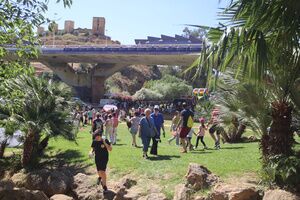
147,131
189,139
109,128
201,133
115,120
159,124
184,125
90,116
134,127
97,123
215,121
175,121
100,148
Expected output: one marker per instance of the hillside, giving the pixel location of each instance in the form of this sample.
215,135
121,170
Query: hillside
132,78
80,39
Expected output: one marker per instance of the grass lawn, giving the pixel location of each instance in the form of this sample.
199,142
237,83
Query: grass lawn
169,168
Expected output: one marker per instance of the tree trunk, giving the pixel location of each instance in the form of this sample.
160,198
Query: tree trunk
2,148
280,138
27,148
240,131
43,144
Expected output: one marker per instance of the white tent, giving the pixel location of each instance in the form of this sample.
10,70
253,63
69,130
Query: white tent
12,141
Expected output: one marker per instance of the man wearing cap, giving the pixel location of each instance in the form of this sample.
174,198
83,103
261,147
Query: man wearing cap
159,124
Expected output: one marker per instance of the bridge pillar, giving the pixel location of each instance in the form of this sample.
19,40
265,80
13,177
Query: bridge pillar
97,88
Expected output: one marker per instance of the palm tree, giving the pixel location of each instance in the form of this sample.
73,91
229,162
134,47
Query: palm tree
260,41
42,110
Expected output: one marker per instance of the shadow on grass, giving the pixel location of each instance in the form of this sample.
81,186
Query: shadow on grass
162,157
71,160
200,152
232,148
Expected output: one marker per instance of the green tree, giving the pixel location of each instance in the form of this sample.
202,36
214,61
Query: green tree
42,110
260,41
18,20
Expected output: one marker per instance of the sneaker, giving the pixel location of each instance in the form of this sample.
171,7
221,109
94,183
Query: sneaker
195,148
205,147
145,156
98,181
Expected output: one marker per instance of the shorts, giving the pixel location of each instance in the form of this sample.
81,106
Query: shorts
90,118
101,164
184,131
215,128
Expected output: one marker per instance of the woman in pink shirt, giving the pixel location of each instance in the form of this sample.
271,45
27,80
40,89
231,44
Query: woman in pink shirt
201,133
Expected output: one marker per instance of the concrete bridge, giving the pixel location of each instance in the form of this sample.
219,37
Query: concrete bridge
109,59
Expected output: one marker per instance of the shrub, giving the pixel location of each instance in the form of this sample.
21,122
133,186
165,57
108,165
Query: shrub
283,171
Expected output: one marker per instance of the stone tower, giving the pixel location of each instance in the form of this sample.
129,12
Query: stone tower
98,26
69,26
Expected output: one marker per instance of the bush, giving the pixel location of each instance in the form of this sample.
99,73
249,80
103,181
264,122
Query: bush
283,171
146,94
169,87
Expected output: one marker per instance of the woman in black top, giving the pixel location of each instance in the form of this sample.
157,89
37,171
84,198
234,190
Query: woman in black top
100,148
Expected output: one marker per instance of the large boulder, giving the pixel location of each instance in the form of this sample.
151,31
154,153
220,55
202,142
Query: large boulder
51,182
22,194
61,197
6,185
199,177
85,188
182,192
19,179
122,187
280,195
234,192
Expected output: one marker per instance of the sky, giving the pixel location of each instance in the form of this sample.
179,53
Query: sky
127,20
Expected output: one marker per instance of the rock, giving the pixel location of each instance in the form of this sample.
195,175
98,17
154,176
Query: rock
182,192
6,185
51,182
127,183
280,195
85,188
199,198
19,179
154,196
22,194
234,192
61,197
120,193
121,188
199,177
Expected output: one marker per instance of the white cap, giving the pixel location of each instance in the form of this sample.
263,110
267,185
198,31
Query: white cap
156,107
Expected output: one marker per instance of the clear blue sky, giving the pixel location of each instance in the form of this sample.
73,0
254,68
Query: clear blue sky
127,20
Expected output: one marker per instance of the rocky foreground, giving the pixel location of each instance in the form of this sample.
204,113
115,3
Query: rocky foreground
48,184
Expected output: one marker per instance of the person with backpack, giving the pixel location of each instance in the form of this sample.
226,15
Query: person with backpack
184,126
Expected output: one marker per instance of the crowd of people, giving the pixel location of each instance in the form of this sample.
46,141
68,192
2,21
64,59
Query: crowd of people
148,125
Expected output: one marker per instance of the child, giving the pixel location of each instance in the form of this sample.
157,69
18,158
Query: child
189,139
174,124
100,148
201,132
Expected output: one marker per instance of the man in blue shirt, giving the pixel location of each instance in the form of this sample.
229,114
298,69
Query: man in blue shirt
159,124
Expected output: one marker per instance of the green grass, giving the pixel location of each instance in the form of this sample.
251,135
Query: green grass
170,167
